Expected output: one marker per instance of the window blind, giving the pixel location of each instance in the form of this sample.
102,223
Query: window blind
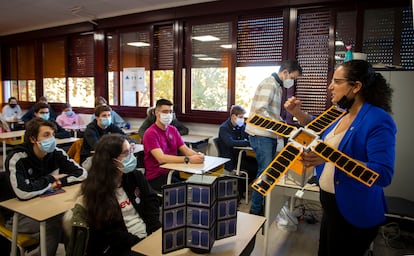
163,47
81,56
54,59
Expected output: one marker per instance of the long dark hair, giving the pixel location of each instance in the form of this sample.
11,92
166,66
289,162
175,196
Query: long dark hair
375,89
98,189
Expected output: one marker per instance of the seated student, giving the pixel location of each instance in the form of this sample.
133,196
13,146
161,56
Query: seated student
68,117
101,125
232,134
12,111
150,119
29,115
42,110
36,166
116,118
161,145
127,210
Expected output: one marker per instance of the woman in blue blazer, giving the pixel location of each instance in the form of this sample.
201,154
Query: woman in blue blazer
352,211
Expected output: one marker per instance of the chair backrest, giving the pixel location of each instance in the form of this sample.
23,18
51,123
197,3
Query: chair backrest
217,144
75,150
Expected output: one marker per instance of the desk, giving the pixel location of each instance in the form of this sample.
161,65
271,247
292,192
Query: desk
247,227
8,135
66,140
191,139
210,163
276,199
75,129
238,168
130,131
40,209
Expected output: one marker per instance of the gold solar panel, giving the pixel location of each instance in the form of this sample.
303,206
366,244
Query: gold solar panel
277,127
323,121
346,164
276,169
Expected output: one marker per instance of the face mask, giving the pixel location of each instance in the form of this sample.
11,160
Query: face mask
106,122
45,116
288,83
69,113
129,163
166,119
13,105
240,121
47,145
345,102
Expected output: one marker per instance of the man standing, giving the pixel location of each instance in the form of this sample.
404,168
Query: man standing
161,142
35,167
267,102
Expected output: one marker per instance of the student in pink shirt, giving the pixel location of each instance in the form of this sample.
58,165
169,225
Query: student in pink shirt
68,117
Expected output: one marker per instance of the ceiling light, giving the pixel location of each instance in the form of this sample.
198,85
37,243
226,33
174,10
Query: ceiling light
209,58
138,44
199,55
207,38
339,43
226,46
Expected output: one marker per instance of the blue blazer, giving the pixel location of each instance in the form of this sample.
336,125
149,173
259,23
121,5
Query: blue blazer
371,140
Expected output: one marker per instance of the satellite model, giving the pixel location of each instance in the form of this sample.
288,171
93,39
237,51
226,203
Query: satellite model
306,139
197,212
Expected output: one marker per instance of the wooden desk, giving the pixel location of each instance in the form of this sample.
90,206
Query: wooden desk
130,131
285,190
238,168
8,135
40,209
66,140
75,129
247,227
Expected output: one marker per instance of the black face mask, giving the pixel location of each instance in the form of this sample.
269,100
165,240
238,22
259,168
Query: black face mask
13,105
345,103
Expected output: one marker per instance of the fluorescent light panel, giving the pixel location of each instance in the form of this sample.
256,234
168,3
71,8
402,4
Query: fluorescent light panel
207,38
138,44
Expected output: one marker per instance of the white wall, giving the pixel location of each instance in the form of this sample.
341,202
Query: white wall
402,106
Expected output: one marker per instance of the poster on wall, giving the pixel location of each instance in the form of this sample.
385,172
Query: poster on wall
133,81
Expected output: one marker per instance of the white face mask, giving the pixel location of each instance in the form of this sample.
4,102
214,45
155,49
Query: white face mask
166,119
240,122
288,83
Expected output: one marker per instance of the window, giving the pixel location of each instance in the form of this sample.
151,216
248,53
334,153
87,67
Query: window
259,49
210,52
54,71
19,77
81,82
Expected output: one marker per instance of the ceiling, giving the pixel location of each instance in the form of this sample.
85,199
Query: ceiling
26,15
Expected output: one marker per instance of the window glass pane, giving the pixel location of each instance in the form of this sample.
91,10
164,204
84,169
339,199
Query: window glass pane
163,83
247,80
113,68
81,91
135,53
55,89
211,56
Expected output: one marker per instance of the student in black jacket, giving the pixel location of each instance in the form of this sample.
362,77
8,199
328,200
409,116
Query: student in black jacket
35,167
101,125
42,110
127,209
29,115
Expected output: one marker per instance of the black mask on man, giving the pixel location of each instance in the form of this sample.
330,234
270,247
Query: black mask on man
13,105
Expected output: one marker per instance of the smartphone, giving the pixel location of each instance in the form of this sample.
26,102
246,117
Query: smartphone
52,192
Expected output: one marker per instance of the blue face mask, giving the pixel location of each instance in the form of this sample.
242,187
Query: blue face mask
47,145
106,122
69,113
45,116
129,163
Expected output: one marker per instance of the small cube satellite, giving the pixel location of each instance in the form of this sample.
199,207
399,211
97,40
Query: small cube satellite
197,212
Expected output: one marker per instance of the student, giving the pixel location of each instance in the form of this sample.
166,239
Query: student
116,118
161,145
12,111
68,117
29,115
267,102
127,210
353,212
41,110
36,166
101,125
150,119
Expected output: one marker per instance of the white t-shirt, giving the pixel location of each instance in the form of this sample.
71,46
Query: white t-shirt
134,223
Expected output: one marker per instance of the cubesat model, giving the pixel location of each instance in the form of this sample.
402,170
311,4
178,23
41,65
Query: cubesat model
306,139
197,212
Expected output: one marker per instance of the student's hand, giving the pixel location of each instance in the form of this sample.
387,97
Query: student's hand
293,105
310,159
197,158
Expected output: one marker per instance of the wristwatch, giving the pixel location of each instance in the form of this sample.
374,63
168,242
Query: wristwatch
186,159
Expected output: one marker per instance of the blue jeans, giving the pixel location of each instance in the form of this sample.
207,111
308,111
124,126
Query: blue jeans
265,149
